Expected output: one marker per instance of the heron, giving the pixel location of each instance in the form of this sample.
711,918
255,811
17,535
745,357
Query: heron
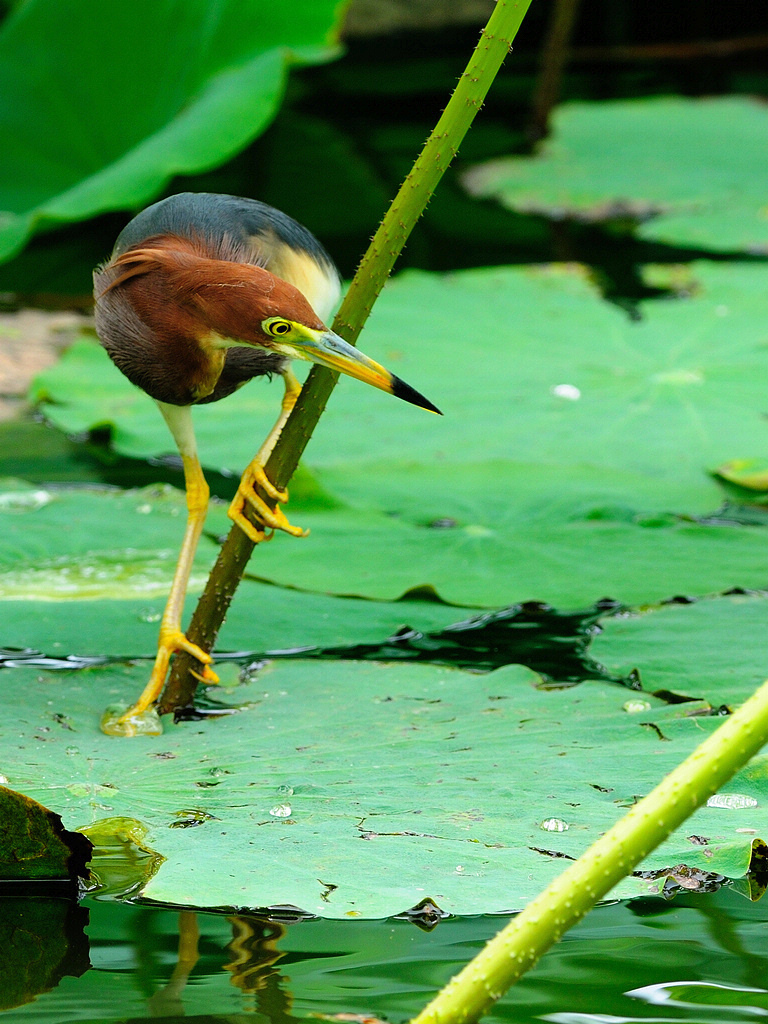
202,293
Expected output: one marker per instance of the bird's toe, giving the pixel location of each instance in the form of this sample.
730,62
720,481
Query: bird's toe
267,518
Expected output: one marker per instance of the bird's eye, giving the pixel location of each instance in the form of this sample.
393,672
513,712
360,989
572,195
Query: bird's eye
277,328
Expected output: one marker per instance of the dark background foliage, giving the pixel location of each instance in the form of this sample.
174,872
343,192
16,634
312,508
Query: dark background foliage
348,131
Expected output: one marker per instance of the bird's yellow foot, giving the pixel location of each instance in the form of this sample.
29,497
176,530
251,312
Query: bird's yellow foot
272,519
141,719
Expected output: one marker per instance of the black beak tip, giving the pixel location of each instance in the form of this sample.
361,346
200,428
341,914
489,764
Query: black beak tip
408,394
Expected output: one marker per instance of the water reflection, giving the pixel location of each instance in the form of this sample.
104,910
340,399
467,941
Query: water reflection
712,1003
42,941
696,994
697,958
167,1001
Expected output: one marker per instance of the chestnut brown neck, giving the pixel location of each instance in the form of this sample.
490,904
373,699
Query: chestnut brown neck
166,306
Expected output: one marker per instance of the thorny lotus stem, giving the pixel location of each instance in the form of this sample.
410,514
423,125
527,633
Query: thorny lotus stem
371,275
518,946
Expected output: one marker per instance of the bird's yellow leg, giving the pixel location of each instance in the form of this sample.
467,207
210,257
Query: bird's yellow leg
141,718
254,476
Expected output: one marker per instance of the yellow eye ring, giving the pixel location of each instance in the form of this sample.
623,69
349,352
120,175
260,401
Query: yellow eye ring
277,328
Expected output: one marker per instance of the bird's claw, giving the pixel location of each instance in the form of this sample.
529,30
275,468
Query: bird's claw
272,520
269,518
207,676
256,474
174,640
141,719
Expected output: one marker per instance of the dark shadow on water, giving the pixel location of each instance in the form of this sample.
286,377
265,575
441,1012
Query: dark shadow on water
552,643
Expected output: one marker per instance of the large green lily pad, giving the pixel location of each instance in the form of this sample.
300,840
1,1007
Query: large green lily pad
262,618
86,571
359,789
152,90
89,545
716,647
495,557
572,462
690,171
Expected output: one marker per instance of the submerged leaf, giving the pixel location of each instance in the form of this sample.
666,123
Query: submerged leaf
121,862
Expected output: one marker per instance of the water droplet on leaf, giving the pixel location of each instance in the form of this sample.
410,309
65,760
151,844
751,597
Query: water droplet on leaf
19,502
554,825
633,707
733,801
568,391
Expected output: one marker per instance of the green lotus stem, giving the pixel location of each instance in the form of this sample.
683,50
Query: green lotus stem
408,205
566,900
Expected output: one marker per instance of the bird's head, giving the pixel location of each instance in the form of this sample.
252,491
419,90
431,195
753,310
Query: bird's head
173,285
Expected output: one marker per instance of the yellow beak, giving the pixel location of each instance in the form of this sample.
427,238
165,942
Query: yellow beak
328,349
